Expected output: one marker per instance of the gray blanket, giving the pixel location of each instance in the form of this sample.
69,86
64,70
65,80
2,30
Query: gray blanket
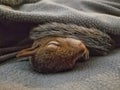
101,73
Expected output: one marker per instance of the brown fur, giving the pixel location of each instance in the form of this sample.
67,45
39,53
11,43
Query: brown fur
63,57
55,58
58,46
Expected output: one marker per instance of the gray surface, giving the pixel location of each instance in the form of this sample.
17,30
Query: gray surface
100,73
100,14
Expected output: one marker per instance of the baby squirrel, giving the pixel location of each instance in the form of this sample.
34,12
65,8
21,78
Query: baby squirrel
54,54
57,47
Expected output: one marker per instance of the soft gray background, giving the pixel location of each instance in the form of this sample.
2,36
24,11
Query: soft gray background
100,73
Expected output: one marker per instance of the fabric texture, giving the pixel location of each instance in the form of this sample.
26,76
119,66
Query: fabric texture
100,73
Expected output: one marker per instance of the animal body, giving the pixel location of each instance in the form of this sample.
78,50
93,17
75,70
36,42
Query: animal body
57,47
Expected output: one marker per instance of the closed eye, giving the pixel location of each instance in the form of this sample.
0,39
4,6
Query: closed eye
55,43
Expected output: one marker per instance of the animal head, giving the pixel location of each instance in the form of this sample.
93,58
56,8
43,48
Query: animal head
55,54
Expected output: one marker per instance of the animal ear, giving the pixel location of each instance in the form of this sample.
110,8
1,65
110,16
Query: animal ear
27,52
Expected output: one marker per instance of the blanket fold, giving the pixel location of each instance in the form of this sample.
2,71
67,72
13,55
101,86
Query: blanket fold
102,15
21,16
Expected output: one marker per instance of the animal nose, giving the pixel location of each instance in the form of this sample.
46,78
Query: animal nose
79,46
